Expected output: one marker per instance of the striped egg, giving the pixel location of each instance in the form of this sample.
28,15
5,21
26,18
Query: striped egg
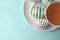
38,12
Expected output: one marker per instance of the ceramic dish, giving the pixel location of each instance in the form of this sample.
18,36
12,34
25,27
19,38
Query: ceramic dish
28,5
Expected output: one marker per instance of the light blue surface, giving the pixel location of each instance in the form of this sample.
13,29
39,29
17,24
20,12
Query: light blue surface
14,26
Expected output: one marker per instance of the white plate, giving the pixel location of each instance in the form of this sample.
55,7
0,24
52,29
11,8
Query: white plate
27,10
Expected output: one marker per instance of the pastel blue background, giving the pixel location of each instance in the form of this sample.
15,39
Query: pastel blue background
14,26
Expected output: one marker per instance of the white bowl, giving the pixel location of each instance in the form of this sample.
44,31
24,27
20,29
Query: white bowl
27,11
